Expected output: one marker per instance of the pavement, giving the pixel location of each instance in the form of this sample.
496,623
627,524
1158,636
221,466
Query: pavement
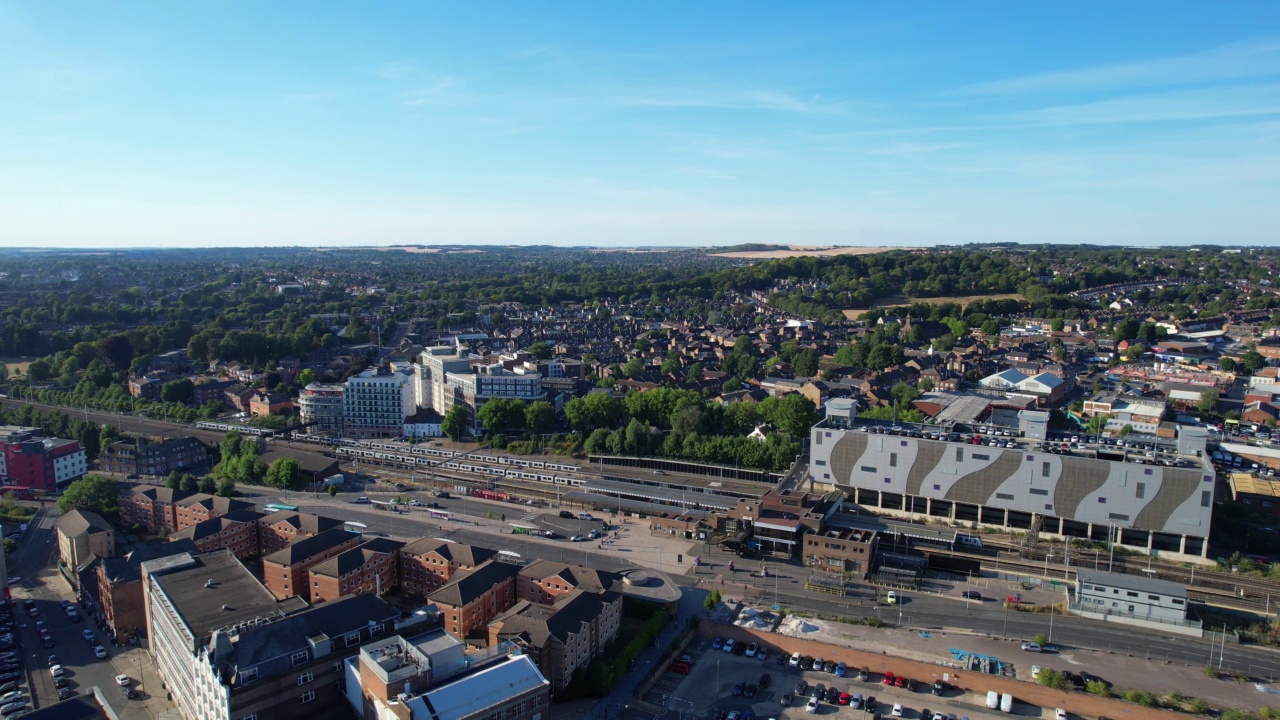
35,561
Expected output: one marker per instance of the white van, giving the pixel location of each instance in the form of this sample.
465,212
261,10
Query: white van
585,516
993,699
1006,703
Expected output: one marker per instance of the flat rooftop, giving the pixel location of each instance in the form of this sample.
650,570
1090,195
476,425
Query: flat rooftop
600,500
884,526
674,498
214,590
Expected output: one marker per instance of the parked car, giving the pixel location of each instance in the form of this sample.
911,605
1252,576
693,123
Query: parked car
123,680
765,680
717,643
88,635
1031,647
751,650
841,669
802,688
897,710
795,660
751,691
785,700
888,678
728,645
762,653
812,705
739,688
99,651
678,668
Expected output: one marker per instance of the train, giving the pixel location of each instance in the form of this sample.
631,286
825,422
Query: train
232,427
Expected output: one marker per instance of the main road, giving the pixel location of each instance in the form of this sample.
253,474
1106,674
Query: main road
952,613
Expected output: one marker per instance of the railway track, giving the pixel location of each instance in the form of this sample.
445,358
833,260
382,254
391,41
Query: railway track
1213,592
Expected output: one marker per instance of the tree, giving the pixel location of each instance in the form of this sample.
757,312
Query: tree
805,363
597,441
1208,401
178,391
226,487
1227,364
633,368
1250,361
1052,678
540,350
670,365
904,393
595,410
456,421
501,414
792,413
695,373
333,491
1124,431
306,377
174,480
91,492
208,485
1057,325
1097,423
285,474
539,415
39,370
189,483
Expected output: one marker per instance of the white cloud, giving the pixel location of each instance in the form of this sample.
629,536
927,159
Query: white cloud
1201,104
1228,62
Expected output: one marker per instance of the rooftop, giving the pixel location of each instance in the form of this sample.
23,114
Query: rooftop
473,693
332,620
474,583
309,547
1243,482
352,560
214,590
459,553
128,567
1131,582
82,522
90,705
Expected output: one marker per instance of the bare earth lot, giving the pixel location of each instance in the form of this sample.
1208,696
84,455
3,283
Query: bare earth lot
802,251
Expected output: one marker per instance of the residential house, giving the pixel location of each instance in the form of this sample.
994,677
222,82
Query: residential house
236,531
280,529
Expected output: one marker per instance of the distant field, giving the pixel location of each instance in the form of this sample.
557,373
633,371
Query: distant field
964,300
802,251
15,365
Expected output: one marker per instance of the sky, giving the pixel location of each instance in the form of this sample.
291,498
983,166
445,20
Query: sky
183,124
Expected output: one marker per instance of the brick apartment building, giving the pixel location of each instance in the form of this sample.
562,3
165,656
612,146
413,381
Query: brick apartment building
468,602
284,572
368,568
120,585
285,527
236,531
199,507
561,637
149,506
158,458
428,564
546,581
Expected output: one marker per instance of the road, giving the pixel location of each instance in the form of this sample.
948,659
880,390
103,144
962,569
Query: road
35,561
951,612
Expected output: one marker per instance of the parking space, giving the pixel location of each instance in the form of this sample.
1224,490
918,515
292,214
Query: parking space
719,684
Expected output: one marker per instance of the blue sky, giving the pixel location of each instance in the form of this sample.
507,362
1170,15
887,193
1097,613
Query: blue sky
251,123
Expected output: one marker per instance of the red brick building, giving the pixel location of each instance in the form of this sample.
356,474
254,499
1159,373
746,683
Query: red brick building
281,529
469,602
199,507
427,564
236,531
562,637
284,572
150,506
546,581
30,459
368,568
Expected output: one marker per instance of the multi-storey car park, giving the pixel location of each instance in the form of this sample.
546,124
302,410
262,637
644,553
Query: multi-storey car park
1018,476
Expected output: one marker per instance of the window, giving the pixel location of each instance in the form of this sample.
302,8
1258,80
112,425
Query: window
248,676
1141,491
299,657
981,456
1038,491
1176,601
819,462
1154,597
1206,498
305,678
1004,496
867,468
959,454
893,459
1044,469
337,667
1131,593
353,639
307,697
